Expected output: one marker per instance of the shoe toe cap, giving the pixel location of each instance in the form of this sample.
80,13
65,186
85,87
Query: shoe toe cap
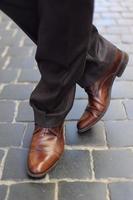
41,162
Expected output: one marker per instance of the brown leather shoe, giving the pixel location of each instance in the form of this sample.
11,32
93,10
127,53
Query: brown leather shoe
99,94
46,148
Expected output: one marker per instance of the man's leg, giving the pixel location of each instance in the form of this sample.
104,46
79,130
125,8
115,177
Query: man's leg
64,28
100,55
61,53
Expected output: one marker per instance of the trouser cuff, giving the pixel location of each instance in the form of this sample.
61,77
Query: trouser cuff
43,120
55,117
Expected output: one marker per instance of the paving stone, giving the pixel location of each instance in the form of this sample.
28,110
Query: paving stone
8,75
127,38
28,135
25,113
3,25
127,47
1,155
80,93
73,164
122,89
15,165
130,63
77,109
3,191
92,137
32,191
10,40
6,111
125,22
6,33
2,62
22,62
28,42
11,134
117,29
2,49
16,92
82,191
19,51
113,38
29,75
113,163
129,108
19,36
127,75
115,111
105,22
121,191
119,133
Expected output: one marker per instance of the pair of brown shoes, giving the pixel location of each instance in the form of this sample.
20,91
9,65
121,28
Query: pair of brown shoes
47,144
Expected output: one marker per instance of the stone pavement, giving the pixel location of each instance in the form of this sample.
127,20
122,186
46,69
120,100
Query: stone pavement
97,165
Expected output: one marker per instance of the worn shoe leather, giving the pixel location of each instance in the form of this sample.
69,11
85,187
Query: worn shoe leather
99,94
46,148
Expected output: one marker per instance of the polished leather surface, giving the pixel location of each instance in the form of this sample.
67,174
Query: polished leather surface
99,93
46,148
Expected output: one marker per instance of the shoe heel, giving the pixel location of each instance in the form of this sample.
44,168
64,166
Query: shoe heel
123,64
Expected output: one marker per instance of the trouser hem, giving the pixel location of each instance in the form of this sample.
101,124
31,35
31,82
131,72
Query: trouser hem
42,120
55,118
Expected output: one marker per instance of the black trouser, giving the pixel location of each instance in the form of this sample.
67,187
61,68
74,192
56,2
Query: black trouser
69,50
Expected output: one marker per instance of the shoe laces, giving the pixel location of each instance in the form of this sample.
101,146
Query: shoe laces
48,131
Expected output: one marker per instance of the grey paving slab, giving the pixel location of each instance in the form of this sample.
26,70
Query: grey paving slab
3,191
19,51
23,62
93,137
80,93
116,111
1,155
29,75
28,135
7,109
32,191
113,163
82,191
129,108
77,110
121,191
8,75
11,134
73,164
121,89
15,165
25,113
128,74
119,133
16,91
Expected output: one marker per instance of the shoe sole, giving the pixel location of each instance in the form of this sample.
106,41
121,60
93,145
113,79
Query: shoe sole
119,72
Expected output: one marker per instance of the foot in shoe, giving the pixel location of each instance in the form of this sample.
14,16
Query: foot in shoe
46,148
99,93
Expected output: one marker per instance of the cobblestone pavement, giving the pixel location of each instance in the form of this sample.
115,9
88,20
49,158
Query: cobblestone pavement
97,165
